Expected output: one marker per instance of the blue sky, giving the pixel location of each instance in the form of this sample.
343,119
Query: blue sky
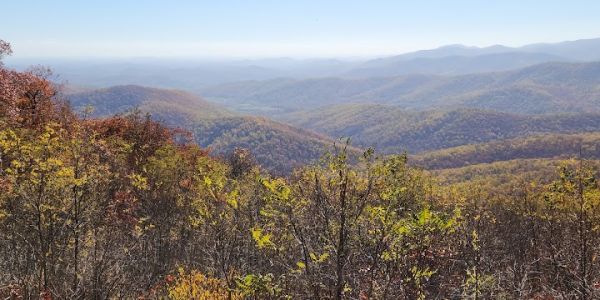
227,28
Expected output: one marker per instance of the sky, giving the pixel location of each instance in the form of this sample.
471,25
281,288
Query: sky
284,28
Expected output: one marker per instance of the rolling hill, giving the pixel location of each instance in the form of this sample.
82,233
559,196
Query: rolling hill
503,177
277,147
171,106
392,129
543,88
546,146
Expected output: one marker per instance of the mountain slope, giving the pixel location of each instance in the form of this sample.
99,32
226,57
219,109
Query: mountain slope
278,147
392,129
546,146
544,88
164,104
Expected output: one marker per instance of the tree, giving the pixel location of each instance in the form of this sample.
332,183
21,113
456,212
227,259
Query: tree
5,50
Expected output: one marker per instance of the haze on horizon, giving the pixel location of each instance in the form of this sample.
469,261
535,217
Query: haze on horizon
303,29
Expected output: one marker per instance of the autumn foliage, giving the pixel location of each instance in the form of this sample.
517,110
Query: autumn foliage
125,208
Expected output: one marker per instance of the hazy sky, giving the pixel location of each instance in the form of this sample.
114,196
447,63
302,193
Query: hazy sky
298,28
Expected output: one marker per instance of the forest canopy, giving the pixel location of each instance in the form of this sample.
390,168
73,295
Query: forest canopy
126,207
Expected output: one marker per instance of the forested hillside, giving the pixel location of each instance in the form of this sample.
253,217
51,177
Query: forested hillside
173,106
544,88
505,179
392,129
277,147
123,207
552,146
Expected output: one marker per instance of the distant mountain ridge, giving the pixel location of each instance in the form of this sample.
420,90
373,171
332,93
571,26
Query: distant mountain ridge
195,75
543,88
577,50
451,65
459,59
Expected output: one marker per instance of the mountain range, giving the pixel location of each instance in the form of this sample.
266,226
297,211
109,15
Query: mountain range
449,107
543,88
197,74
276,146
